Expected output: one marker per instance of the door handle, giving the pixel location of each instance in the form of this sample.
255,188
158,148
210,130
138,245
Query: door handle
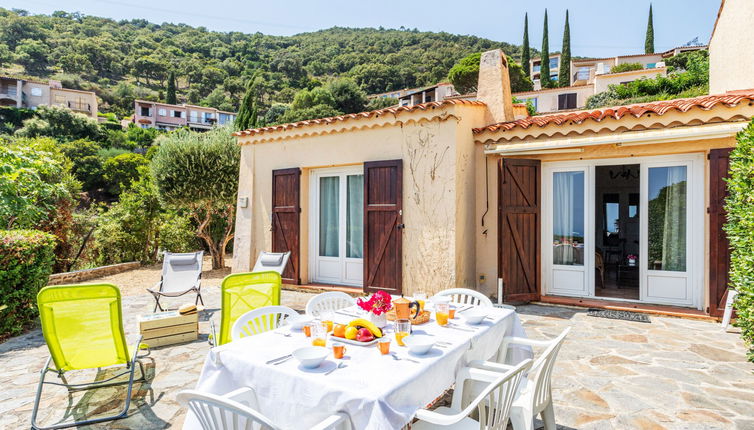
401,226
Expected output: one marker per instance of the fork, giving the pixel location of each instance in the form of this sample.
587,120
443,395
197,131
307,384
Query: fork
396,358
339,366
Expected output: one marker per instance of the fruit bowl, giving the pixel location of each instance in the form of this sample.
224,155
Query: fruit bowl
475,315
311,356
418,344
300,321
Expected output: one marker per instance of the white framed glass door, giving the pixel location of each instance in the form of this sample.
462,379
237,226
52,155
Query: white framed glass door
670,222
336,221
566,231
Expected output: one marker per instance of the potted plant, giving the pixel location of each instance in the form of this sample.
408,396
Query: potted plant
376,307
631,259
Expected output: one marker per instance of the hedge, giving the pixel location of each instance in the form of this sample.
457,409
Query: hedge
740,230
26,259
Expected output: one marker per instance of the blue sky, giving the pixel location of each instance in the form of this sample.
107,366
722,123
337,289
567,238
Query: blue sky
598,28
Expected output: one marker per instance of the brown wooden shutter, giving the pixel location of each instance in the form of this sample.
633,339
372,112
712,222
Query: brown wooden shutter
286,214
519,221
719,248
383,204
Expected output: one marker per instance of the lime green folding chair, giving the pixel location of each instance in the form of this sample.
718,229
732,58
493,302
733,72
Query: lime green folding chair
83,329
243,292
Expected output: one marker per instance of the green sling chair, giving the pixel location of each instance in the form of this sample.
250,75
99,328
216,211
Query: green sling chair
83,329
241,293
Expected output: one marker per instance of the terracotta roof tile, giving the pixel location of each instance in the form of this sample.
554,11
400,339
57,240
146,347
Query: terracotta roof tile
395,110
618,112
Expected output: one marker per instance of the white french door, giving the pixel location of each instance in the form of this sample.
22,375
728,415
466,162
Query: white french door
671,242
671,231
336,221
567,231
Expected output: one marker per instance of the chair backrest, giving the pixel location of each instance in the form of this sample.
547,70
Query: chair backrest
328,302
542,371
242,292
180,271
465,296
219,413
261,320
83,325
272,261
494,402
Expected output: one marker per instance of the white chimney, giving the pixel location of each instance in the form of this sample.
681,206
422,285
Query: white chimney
494,87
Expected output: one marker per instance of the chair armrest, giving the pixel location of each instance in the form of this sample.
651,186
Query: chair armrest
155,289
510,340
333,421
438,418
245,396
490,365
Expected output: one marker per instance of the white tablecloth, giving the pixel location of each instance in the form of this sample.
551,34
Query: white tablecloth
375,391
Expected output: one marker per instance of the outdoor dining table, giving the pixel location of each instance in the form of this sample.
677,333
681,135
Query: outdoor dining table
374,390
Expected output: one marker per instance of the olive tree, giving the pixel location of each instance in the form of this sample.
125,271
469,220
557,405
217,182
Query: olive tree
198,172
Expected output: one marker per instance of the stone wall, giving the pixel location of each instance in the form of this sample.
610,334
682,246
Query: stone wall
87,274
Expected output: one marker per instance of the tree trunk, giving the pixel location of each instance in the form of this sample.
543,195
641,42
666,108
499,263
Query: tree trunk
216,249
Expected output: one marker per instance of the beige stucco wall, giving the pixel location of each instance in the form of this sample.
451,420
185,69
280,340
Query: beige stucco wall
438,179
79,99
602,82
32,101
547,100
731,49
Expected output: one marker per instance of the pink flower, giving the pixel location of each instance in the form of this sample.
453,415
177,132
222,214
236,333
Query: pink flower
378,303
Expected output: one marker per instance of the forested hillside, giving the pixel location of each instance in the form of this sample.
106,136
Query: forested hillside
123,60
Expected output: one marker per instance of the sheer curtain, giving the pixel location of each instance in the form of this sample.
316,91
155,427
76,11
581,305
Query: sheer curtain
355,217
329,193
568,218
674,228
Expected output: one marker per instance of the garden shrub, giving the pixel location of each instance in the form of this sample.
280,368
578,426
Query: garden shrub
626,67
26,259
740,230
177,234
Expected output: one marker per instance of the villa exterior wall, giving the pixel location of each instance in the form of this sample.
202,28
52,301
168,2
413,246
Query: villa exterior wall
729,68
603,82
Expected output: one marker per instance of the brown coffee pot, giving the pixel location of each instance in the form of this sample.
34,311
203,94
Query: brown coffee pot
403,308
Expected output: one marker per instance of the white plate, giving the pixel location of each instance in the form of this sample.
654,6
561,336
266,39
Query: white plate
352,341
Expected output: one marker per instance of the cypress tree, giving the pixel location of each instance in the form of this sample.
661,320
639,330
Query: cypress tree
649,42
544,58
564,77
247,112
525,51
170,97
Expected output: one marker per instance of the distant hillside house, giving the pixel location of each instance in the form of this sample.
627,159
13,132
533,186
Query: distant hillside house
415,96
22,93
148,114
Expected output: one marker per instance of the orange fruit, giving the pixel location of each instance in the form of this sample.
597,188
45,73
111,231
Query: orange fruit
339,330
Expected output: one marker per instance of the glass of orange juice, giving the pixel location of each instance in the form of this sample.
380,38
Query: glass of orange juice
402,329
421,297
328,324
451,311
338,350
319,333
442,313
384,344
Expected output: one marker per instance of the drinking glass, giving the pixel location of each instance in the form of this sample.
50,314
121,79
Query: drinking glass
421,297
452,311
402,329
319,333
441,313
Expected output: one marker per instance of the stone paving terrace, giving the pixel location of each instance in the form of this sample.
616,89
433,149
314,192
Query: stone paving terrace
611,374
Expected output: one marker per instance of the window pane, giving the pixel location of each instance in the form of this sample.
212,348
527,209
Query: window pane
329,192
667,218
355,217
568,218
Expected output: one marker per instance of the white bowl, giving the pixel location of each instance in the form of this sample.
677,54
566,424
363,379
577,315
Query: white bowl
300,321
474,315
311,356
418,344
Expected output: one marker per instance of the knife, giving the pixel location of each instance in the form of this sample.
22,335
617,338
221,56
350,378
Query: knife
283,358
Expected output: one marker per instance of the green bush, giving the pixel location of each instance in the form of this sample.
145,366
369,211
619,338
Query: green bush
26,258
626,67
740,230
177,234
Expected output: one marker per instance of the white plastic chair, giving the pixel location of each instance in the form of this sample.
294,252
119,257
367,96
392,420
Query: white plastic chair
237,410
728,314
272,262
181,274
465,296
493,403
261,320
535,395
328,302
